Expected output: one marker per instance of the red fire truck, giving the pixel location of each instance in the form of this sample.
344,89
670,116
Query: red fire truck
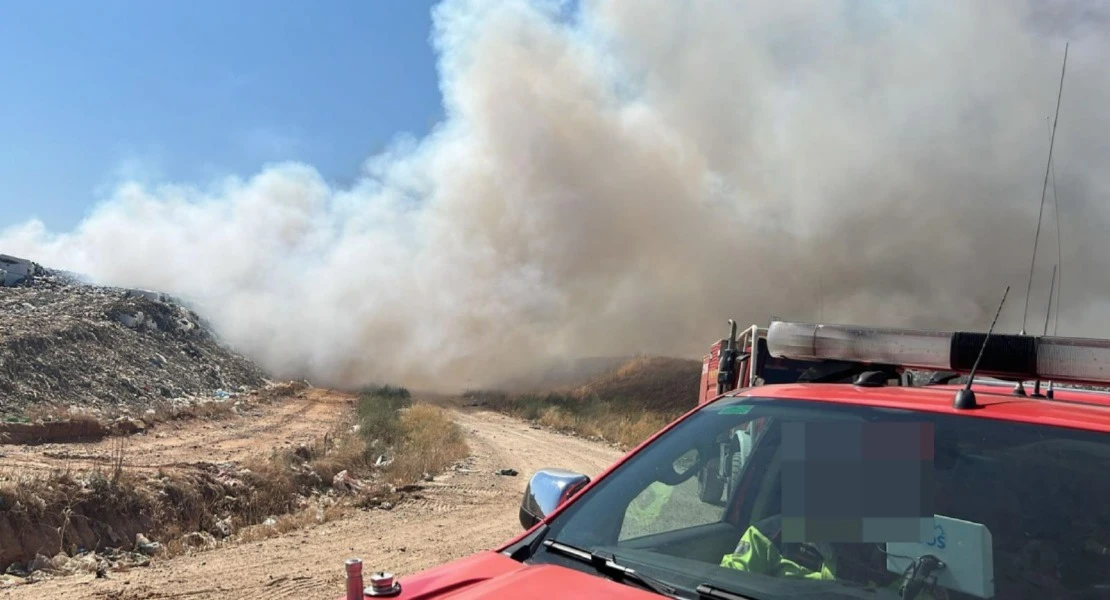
852,480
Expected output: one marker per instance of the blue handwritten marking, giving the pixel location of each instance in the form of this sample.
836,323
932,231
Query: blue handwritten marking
939,538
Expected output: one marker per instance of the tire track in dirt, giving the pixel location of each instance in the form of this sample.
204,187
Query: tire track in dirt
459,513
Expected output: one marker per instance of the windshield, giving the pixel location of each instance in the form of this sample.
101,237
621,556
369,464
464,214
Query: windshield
775,499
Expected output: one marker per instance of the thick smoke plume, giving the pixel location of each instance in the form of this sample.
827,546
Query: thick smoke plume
623,177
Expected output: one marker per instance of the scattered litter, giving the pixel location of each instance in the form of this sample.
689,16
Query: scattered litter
223,527
344,483
6,580
147,547
200,540
40,563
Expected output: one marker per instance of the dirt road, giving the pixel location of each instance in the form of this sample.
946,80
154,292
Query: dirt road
291,421
461,512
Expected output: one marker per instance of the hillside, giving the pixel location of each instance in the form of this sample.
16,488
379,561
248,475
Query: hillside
564,374
63,341
623,404
654,383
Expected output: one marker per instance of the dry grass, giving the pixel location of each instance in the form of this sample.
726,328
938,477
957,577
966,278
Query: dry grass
619,422
212,410
614,425
65,513
625,405
55,412
430,443
271,489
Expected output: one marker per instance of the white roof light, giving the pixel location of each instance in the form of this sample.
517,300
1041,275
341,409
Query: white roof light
1079,360
1076,360
908,347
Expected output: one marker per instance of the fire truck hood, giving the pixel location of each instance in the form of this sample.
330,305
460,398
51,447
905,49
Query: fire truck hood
491,575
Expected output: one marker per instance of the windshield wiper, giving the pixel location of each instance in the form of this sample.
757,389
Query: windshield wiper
711,592
606,564
822,589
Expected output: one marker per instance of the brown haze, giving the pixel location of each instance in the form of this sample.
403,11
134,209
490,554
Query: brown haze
623,179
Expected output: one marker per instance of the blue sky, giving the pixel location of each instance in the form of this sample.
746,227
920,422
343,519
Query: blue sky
187,91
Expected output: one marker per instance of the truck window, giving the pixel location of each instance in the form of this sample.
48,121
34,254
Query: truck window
1024,500
661,507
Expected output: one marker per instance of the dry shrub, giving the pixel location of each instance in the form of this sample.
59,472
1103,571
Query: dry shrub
379,414
431,442
343,452
271,490
420,438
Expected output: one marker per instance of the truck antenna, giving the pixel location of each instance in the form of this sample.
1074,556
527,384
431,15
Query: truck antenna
1047,317
1044,191
1051,290
1059,255
965,398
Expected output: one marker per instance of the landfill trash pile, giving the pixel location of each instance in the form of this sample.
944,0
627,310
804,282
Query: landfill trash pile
63,341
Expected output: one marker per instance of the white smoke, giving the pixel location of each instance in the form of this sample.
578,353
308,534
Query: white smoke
623,178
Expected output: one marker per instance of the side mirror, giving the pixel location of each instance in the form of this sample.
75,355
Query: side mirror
546,491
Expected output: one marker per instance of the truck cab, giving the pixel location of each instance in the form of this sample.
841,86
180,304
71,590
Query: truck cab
732,364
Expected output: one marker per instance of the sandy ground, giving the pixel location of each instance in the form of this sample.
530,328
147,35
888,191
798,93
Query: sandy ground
460,513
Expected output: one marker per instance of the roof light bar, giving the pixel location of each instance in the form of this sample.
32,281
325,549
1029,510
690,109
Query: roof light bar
1078,360
1007,356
